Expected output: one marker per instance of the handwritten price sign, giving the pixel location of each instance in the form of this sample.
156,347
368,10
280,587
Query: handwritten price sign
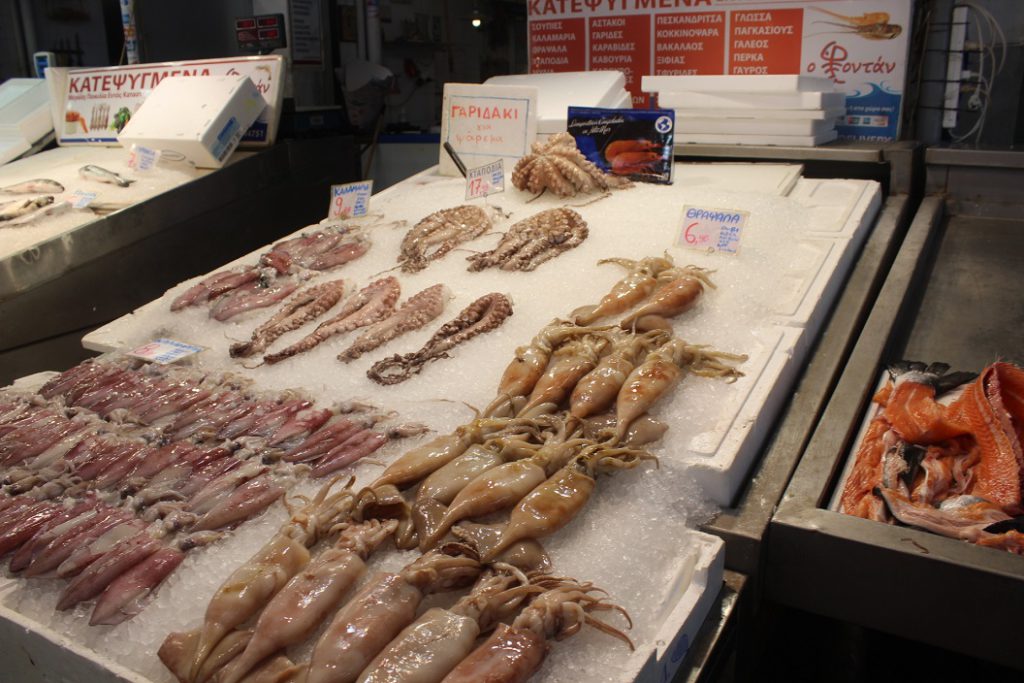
164,351
350,200
711,230
485,180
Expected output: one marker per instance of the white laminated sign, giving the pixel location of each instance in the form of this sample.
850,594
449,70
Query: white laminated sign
485,123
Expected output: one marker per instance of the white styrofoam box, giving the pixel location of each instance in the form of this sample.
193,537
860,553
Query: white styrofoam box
556,92
734,83
12,148
775,140
697,595
25,109
759,114
201,117
699,125
761,101
839,208
719,460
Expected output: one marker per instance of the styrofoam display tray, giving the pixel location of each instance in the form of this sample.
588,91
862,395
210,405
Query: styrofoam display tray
62,164
692,112
733,83
686,124
761,101
757,139
716,428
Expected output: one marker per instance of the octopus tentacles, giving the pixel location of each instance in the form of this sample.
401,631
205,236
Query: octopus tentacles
372,303
483,315
534,240
558,165
417,311
305,305
439,233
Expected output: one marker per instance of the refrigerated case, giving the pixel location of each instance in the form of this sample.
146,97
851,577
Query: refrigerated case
951,295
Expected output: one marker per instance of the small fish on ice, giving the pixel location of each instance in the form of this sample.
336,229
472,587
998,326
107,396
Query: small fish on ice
102,175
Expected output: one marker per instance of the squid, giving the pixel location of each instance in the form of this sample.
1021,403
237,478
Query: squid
627,292
570,363
552,504
426,650
514,653
253,584
310,596
662,368
385,605
680,288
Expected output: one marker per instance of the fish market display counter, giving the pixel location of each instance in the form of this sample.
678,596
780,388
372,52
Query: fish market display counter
64,273
951,296
772,294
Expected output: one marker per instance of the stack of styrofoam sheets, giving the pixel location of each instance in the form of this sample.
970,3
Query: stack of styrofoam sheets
556,92
750,110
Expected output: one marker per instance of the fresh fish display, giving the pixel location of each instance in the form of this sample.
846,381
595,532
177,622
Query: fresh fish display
102,175
483,315
307,304
18,209
215,285
252,295
942,452
372,303
114,471
559,166
323,249
439,233
534,240
414,313
37,186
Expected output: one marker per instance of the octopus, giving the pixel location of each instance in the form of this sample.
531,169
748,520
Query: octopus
534,240
417,311
319,250
371,304
483,315
559,166
439,233
308,304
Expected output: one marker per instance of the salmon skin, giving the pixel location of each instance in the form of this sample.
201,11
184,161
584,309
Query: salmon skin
943,453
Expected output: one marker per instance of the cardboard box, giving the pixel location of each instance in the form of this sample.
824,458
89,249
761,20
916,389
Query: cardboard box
200,117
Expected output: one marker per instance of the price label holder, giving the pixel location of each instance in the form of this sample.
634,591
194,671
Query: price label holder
164,351
142,159
485,180
350,200
712,229
81,199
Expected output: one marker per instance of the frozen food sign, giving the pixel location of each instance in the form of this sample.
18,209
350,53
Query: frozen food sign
97,103
861,46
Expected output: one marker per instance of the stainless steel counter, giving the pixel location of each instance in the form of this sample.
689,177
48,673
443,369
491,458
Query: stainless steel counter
105,268
953,295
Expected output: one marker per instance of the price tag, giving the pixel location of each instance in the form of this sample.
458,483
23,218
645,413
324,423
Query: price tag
164,351
485,180
712,229
142,159
80,199
350,200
